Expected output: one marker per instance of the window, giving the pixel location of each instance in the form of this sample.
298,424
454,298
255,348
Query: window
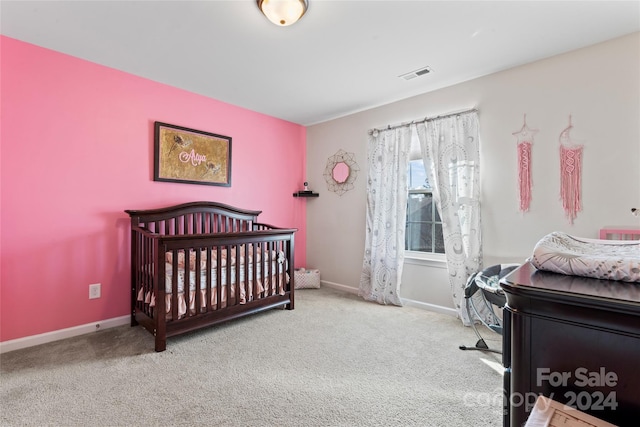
424,226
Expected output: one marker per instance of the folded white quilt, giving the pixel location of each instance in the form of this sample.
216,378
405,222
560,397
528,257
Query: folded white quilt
576,256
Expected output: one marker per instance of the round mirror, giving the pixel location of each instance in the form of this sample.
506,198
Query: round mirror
340,172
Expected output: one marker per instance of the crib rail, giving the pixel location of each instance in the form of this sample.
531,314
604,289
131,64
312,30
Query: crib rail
251,263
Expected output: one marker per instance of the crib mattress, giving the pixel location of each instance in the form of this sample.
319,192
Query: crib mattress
601,259
275,268
226,259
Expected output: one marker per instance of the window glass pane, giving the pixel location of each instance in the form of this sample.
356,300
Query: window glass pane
419,237
417,175
412,238
419,207
420,225
424,228
439,240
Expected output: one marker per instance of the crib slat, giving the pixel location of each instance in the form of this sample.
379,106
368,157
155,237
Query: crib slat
219,284
236,294
252,249
276,273
148,278
174,285
209,280
240,281
271,246
198,296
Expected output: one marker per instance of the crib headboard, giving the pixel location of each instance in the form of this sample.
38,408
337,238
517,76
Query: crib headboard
195,218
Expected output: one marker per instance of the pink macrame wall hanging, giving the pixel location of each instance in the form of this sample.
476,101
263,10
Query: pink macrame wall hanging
525,142
570,174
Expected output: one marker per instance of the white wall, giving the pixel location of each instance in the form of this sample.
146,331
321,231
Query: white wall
598,85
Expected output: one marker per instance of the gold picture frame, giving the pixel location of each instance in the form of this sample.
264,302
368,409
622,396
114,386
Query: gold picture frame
191,156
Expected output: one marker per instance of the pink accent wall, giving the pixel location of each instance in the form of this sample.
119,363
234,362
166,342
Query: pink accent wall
77,150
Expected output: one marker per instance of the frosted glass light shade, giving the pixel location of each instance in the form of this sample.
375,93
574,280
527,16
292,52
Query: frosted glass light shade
283,12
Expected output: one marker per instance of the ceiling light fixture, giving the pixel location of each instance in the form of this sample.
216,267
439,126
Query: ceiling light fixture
283,12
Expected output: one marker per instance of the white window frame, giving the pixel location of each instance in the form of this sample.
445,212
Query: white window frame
420,257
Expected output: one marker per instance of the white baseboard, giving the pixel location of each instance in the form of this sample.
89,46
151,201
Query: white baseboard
340,287
408,302
17,344
430,307
61,334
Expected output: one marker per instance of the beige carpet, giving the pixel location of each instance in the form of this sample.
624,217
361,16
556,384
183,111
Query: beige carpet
335,360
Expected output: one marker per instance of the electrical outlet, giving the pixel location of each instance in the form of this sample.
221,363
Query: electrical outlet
94,291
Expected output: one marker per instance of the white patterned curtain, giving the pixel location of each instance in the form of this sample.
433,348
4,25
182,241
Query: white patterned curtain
388,159
451,145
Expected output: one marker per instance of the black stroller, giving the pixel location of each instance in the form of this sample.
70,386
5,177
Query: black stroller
486,284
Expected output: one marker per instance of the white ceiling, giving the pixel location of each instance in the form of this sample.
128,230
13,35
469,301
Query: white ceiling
340,58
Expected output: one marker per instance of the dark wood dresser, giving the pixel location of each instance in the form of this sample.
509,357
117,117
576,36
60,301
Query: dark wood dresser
573,339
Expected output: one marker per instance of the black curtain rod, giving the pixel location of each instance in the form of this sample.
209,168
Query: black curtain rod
426,119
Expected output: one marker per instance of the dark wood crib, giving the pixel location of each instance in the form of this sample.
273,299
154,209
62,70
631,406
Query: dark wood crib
201,263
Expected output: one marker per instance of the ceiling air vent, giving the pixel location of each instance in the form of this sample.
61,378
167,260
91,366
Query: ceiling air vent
416,73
